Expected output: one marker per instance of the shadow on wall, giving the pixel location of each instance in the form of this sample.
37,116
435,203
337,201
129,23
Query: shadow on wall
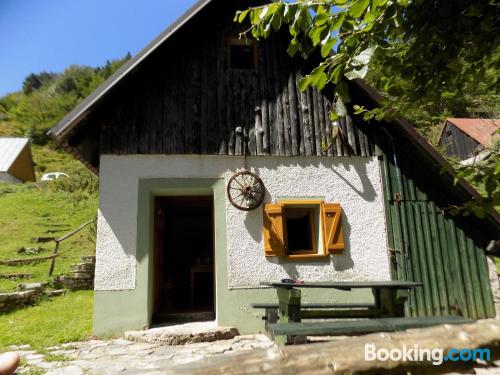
342,262
367,192
254,222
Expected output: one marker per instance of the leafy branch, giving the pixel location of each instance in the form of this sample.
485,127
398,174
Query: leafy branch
430,53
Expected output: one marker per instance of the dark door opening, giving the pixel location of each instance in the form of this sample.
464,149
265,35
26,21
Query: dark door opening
184,259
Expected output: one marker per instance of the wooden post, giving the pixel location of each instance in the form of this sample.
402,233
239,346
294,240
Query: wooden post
390,302
65,237
289,311
53,262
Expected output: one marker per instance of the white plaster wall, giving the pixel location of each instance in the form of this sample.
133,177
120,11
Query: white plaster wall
353,182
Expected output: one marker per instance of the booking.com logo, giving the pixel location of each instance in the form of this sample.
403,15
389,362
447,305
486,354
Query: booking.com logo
415,353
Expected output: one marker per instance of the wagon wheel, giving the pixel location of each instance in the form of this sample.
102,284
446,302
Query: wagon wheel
245,191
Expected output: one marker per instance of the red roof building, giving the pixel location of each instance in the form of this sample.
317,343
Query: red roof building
461,137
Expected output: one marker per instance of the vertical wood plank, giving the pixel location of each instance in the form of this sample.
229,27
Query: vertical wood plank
223,133
466,271
317,122
264,107
476,284
441,285
294,118
279,125
456,267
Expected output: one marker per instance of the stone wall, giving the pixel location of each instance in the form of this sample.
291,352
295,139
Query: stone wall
81,277
16,300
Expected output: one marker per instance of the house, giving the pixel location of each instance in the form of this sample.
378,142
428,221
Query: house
186,233
16,162
463,137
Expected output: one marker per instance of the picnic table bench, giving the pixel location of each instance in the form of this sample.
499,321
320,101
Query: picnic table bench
284,319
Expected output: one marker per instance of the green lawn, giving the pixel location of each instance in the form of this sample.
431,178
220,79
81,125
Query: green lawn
29,211
66,318
47,210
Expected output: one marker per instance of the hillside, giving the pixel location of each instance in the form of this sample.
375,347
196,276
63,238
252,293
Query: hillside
49,209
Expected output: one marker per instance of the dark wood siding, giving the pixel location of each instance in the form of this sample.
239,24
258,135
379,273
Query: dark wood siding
456,143
185,100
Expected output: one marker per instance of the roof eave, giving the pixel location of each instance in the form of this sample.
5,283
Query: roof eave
422,142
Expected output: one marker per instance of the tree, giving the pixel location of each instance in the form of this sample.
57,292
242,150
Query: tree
48,97
431,54
34,82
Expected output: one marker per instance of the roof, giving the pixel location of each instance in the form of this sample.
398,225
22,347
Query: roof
482,130
10,148
72,119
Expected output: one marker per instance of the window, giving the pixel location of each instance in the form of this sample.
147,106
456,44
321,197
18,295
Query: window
242,54
303,229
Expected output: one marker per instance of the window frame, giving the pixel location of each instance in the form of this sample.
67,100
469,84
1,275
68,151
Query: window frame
316,228
234,41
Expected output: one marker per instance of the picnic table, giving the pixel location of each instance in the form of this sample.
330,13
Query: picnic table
385,314
389,298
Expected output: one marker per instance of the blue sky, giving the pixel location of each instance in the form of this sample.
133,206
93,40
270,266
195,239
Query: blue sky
50,35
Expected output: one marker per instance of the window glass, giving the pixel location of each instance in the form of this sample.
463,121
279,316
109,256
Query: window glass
299,230
241,54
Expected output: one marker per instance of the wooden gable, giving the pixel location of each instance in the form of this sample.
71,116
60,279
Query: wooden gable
186,99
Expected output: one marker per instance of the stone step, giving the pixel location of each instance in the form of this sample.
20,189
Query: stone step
31,286
55,293
180,334
22,262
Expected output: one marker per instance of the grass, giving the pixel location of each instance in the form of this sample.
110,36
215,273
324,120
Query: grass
29,211
49,158
10,129
49,209
67,318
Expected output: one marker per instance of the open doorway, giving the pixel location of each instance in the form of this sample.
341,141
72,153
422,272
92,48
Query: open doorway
184,259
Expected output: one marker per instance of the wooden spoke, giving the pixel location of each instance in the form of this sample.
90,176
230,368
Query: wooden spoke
245,191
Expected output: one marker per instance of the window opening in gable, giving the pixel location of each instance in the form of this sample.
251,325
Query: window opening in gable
242,54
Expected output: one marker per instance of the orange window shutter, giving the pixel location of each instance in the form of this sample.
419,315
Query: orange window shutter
332,228
273,230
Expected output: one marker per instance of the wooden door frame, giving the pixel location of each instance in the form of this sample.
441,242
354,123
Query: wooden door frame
158,233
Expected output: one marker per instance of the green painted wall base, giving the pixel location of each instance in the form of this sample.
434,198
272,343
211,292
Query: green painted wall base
118,311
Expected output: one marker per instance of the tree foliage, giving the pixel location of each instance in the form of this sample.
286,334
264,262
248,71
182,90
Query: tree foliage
484,173
431,59
48,97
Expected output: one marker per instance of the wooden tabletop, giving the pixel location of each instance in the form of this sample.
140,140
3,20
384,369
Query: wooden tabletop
347,285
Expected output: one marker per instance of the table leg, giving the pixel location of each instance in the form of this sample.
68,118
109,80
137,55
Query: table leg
390,302
289,304
289,310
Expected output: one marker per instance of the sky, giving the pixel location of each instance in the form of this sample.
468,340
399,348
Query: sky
50,35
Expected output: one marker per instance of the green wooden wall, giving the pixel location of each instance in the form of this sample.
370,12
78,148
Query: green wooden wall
428,244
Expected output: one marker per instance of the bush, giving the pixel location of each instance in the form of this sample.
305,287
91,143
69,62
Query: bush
80,181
